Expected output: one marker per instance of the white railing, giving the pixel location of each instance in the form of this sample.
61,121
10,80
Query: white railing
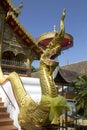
10,102
32,87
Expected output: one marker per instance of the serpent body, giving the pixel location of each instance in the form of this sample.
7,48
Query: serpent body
35,115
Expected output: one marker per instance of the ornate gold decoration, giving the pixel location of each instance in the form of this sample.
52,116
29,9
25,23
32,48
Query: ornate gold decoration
51,35
35,115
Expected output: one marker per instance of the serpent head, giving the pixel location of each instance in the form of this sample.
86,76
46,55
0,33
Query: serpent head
51,52
54,47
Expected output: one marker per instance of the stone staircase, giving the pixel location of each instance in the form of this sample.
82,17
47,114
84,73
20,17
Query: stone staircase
6,123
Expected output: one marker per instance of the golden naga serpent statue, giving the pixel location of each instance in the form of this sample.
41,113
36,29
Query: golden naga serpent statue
34,115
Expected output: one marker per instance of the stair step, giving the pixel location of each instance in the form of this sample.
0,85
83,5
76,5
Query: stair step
6,121
4,114
3,109
8,127
1,103
0,99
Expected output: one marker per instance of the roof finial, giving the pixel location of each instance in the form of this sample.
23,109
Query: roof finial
54,28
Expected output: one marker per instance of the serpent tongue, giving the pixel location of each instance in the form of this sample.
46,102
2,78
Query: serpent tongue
51,60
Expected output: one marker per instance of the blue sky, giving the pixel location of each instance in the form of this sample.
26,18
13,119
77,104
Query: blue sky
40,16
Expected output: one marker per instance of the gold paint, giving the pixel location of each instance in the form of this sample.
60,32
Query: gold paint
34,115
51,35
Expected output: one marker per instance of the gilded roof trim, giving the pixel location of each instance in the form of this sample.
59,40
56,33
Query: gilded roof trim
12,6
17,21
11,14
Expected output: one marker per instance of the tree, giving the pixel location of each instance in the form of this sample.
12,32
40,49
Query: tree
33,69
80,87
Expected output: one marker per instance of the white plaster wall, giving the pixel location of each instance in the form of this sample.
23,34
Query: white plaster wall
32,87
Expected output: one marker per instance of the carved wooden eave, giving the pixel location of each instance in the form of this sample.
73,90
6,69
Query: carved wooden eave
18,28
8,5
21,32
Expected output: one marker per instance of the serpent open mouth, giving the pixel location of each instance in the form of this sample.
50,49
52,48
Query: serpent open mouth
52,57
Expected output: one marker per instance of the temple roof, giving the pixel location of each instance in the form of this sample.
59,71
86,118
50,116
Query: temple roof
12,19
8,5
79,67
17,27
69,73
65,77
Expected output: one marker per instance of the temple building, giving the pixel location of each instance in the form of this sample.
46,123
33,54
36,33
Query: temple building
19,48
